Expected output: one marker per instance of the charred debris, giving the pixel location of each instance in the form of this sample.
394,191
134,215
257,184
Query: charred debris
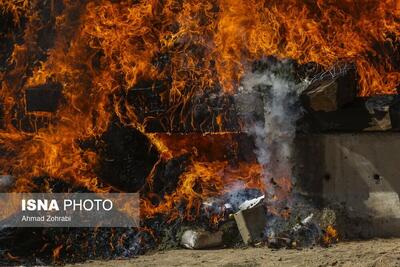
127,158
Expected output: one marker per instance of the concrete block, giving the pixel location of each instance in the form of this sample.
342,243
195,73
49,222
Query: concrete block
359,171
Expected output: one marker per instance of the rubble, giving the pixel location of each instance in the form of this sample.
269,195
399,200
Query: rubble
304,222
254,225
305,233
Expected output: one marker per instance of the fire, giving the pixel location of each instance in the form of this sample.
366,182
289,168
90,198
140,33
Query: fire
330,235
202,147
201,181
99,51
16,8
56,252
325,32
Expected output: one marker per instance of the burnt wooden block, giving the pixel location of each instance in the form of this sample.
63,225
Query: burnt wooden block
354,117
377,113
330,94
46,97
210,112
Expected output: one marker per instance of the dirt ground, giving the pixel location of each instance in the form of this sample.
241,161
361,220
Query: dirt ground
377,252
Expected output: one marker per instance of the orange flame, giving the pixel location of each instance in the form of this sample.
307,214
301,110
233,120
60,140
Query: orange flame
201,181
56,252
103,48
330,235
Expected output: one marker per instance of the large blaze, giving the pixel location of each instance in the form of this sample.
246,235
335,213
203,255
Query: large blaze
100,51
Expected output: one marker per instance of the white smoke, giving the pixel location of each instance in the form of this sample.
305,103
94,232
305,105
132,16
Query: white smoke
274,128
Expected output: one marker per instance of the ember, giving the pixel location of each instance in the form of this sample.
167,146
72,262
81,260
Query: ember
194,104
330,235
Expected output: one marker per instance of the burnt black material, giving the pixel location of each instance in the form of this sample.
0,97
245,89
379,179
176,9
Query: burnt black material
353,117
394,112
46,97
167,175
209,112
127,158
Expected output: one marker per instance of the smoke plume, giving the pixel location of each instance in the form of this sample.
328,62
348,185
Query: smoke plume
270,118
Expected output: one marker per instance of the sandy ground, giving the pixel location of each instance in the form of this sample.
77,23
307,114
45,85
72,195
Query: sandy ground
378,252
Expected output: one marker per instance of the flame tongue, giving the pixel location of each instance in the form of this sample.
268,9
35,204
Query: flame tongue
102,49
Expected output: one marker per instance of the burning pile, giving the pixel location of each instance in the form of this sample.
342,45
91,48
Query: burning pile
152,97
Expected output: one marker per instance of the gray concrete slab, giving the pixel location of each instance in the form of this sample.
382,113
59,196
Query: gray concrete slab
358,171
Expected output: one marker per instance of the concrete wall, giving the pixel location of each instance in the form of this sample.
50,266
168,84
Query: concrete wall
360,172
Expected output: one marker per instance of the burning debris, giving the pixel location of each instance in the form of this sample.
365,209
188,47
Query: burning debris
257,226
193,104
